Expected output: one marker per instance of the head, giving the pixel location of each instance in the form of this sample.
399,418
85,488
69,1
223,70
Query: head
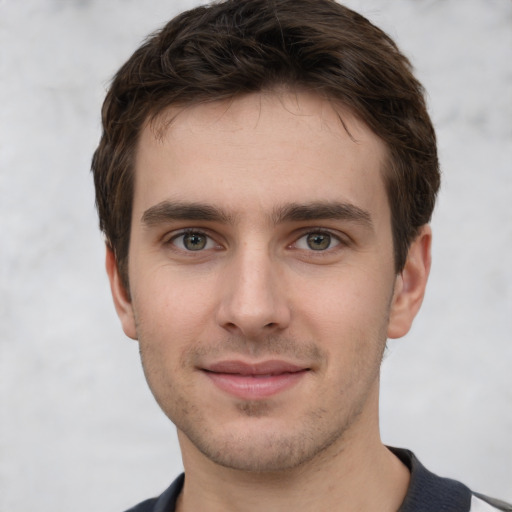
233,48
264,179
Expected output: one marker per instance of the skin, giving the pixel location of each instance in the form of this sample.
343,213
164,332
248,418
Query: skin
294,263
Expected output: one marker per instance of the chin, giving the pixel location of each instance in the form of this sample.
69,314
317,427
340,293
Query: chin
263,448
269,456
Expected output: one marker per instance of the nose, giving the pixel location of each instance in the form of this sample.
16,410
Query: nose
253,300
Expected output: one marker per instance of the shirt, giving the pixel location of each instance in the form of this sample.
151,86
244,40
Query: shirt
427,492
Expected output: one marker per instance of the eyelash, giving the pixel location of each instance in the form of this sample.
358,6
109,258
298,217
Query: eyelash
198,232
334,238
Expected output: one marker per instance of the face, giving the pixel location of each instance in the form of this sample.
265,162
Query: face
262,285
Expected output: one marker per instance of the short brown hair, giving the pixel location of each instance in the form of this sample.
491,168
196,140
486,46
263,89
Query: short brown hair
236,47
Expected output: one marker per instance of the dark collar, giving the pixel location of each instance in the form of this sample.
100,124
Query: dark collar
427,492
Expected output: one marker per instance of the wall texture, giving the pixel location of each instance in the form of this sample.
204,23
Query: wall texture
78,429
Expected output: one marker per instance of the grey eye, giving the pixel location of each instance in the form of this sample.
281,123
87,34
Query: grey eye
318,241
194,241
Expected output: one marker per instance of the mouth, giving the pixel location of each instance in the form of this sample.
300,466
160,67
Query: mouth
254,381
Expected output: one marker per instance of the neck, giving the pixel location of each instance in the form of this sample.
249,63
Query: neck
340,478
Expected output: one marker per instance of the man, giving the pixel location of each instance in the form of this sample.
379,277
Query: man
264,181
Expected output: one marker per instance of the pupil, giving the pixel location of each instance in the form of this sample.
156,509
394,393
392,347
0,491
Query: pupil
194,242
318,241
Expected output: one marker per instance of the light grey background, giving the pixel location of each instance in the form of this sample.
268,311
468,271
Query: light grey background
78,428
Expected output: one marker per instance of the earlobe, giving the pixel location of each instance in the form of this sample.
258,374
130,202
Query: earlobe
122,302
410,285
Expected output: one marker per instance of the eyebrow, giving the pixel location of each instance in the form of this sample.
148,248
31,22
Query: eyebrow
168,211
322,211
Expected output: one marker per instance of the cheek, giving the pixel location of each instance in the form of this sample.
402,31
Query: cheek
169,322
168,304
352,298
347,316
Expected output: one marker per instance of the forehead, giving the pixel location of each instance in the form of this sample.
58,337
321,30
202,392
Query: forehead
257,151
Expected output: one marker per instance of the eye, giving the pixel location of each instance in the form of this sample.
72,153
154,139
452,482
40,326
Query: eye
317,241
193,241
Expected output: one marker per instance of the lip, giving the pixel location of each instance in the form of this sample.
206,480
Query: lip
254,381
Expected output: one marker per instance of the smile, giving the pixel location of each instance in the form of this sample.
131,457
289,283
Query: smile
254,381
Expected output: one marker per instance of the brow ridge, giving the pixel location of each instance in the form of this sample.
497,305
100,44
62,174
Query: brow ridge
321,210
167,211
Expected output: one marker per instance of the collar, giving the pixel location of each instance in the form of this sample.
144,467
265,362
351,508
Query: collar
427,491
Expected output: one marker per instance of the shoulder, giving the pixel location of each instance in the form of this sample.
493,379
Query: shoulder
145,506
428,491
481,503
166,502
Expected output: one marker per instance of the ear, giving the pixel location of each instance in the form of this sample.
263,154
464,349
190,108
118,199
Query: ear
410,285
122,302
